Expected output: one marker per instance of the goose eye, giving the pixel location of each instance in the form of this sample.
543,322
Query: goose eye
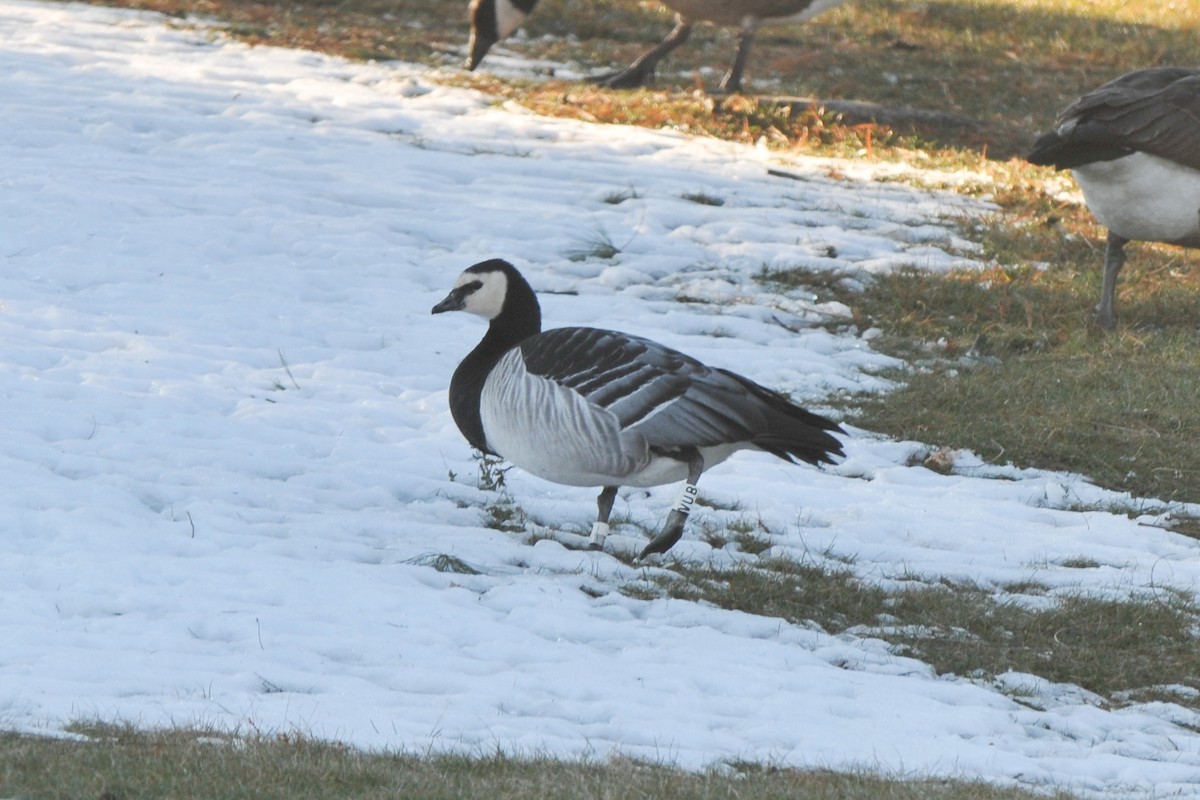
457,299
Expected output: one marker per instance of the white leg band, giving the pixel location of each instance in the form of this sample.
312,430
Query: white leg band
687,496
599,533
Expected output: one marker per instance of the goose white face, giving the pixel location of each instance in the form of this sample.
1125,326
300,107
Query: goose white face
484,292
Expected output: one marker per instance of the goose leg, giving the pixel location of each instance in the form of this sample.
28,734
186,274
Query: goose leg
641,71
1114,259
732,82
673,528
604,504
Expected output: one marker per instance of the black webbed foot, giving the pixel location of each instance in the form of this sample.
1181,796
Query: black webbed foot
669,535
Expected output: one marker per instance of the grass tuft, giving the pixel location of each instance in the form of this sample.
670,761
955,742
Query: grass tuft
600,246
616,198
443,562
502,513
704,199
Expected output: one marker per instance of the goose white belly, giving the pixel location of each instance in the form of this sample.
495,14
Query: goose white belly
1144,198
662,469
553,432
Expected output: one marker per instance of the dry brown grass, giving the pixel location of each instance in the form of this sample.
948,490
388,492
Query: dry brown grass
1010,64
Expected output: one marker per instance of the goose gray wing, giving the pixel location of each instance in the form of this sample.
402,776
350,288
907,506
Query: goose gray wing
588,407
671,399
1155,111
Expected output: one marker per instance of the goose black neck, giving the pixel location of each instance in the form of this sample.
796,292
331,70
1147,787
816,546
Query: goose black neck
521,315
519,318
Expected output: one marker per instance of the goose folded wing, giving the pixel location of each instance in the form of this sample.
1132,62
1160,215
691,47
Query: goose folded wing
670,399
1156,113
1180,141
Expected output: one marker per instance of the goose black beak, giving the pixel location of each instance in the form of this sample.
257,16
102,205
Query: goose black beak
455,301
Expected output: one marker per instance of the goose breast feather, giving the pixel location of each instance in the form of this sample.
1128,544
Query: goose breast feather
553,431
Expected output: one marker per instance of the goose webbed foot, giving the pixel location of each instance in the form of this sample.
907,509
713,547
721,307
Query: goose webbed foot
641,72
669,535
631,78
673,529
732,82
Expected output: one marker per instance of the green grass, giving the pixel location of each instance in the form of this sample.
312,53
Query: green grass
1123,649
1008,363
121,763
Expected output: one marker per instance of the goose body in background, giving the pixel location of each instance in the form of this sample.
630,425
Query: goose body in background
591,407
1134,148
495,20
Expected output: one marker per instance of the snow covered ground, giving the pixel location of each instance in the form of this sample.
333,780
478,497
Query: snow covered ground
226,462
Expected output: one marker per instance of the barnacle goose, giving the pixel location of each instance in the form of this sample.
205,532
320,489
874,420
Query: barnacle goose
1134,148
494,20
590,407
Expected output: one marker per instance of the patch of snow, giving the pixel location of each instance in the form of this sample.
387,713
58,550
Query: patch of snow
228,472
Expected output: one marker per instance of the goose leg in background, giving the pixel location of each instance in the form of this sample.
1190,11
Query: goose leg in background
641,71
604,504
673,529
1114,259
732,82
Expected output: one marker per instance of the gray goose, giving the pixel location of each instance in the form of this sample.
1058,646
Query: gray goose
495,20
1134,147
591,407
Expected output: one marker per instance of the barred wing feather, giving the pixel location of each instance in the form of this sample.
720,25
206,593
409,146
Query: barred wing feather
667,397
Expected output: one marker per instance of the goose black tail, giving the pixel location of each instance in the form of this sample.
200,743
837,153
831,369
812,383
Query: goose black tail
1086,145
794,433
